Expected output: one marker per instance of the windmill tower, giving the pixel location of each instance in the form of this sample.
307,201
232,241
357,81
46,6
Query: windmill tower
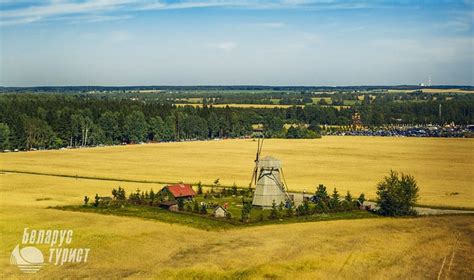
268,180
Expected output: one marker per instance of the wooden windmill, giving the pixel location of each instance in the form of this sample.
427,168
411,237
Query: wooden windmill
267,177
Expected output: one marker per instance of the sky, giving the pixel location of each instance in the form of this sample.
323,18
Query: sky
236,42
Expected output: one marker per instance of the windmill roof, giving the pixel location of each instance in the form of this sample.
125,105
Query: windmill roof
269,162
181,190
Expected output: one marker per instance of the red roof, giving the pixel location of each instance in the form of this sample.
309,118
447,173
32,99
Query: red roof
180,190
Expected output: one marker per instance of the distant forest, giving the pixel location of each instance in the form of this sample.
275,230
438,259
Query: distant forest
80,118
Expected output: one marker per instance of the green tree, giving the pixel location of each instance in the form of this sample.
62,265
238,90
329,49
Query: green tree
334,202
199,191
273,126
203,209
108,121
136,127
96,200
397,195
97,135
348,197
196,207
169,129
321,193
180,204
38,133
157,129
273,212
4,136
245,214
214,125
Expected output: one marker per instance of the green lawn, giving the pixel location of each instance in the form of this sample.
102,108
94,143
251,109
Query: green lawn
258,216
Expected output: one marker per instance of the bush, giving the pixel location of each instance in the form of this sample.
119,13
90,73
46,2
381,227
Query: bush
196,207
180,204
273,212
397,195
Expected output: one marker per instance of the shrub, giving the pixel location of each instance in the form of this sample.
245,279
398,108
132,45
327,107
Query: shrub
203,209
196,207
397,195
289,211
180,204
273,212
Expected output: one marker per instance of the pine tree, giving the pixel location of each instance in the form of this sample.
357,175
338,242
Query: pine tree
199,188
321,193
334,201
348,197
96,200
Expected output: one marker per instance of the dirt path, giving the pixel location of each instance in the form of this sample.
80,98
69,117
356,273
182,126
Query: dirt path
431,211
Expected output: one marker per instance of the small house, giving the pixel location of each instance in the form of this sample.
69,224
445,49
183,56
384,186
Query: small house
219,212
177,191
168,204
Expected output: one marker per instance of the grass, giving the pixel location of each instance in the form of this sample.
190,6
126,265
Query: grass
129,247
441,166
207,222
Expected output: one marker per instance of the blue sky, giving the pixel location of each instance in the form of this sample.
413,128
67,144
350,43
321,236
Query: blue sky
212,42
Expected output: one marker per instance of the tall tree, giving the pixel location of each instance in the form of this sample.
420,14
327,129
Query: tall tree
214,126
157,129
38,133
108,121
136,127
4,136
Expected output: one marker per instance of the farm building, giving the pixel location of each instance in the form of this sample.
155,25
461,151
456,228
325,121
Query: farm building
177,191
219,212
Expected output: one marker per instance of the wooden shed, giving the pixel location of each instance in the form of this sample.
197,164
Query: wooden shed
219,212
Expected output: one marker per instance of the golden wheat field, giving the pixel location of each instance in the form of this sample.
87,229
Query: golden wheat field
444,168
121,247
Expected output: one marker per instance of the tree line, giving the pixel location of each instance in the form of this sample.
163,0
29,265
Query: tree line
52,121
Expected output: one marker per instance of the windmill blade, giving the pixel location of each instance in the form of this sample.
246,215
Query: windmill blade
280,186
284,179
261,146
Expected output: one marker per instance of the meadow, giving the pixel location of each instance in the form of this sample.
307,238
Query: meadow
443,167
124,247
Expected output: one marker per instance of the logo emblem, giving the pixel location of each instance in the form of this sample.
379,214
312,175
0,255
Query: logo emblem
28,259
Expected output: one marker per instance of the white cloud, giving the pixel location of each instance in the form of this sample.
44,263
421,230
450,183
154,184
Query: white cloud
224,46
45,10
